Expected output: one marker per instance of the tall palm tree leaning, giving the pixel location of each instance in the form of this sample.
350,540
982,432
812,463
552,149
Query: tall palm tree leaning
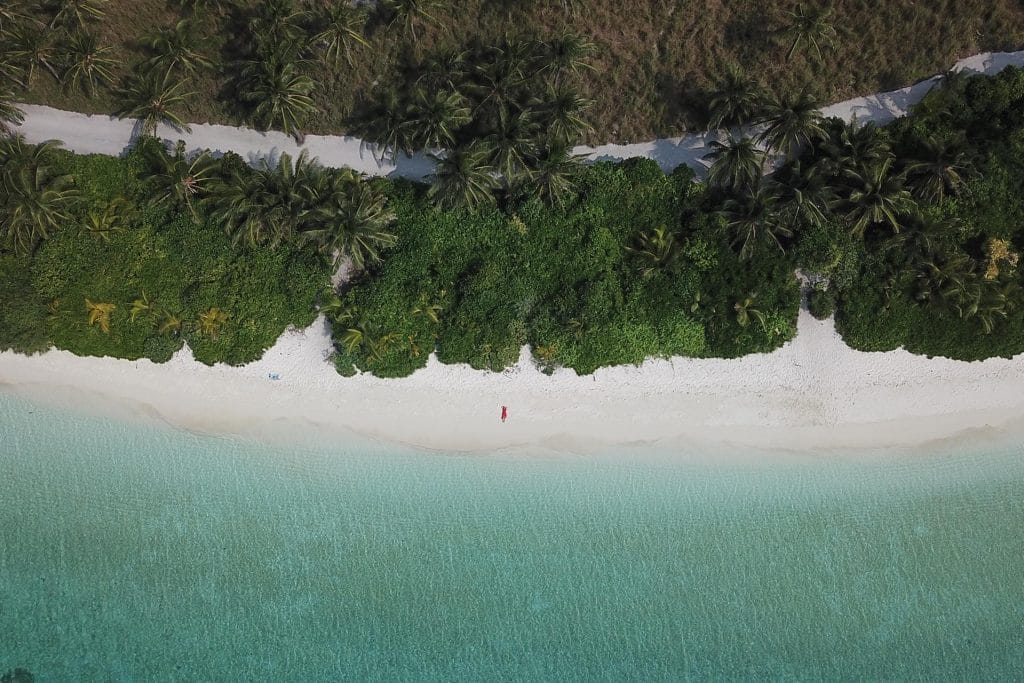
811,28
152,98
737,164
87,64
735,100
39,199
177,47
792,123
463,178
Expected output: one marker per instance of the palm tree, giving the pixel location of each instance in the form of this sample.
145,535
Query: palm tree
280,95
736,100
736,163
848,146
13,13
805,193
463,178
567,54
212,321
435,118
561,113
176,47
792,123
99,314
752,219
353,221
657,249
101,224
745,312
87,64
810,28
266,205
342,25
385,121
513,144
152,99
276,24
38,199
178,180
33,47
10,115
553,173
75,14
876,195
939,170
410,13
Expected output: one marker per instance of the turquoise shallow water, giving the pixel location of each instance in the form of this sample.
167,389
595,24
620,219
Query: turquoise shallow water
135,552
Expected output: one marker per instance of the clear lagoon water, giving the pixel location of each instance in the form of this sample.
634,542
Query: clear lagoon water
136,552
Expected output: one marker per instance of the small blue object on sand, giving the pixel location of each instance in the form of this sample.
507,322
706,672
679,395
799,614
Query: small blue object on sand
274,376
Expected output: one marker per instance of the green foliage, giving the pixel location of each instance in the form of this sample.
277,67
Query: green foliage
821,303
948,283
636,268
161,279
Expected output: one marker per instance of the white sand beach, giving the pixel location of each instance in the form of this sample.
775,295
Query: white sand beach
813,393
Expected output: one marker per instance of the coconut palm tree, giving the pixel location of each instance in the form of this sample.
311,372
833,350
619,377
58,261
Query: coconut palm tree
87,64
38,199
875,195
560,113
513,144
806,194
99,314
463,177
267,205
736,163
353,221
385,121
810,28
657,249
177,180
276,24
753,220
153,98
212,322
341,26
75,14
567,54
176,47
10,115
279,94
411,13
848,146
553,173
14,13
792,123
100,224
33,48
735,100
940,169
434,118
745,311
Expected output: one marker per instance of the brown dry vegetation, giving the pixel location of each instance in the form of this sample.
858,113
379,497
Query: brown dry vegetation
655,56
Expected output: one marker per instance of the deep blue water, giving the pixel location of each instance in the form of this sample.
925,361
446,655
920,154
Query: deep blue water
136,552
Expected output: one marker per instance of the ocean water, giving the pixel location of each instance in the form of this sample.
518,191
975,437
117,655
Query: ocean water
135,552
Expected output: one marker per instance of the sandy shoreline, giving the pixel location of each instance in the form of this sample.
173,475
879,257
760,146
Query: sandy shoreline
814,393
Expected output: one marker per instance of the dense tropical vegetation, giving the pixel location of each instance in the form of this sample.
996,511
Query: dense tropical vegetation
909,233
